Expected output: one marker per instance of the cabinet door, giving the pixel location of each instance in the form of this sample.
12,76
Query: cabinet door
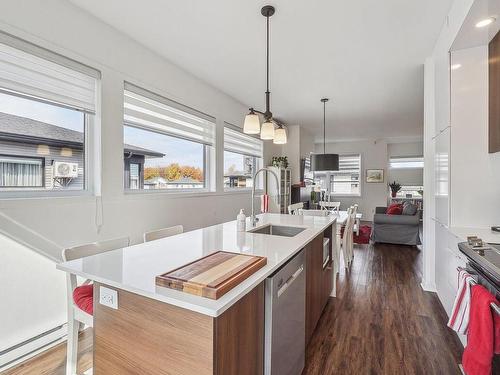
442,167
442,93
314,284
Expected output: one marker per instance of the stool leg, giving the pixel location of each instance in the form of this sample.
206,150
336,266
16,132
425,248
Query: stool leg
72,352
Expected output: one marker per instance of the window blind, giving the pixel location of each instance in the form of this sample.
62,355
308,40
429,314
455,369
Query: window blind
406,162
34,71
146,110
235,141
348,164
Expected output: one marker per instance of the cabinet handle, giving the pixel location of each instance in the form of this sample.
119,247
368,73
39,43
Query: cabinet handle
290,280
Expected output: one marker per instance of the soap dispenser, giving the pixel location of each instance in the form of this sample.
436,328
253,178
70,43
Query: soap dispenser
241,221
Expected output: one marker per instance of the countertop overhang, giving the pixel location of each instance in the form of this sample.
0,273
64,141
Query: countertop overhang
134,268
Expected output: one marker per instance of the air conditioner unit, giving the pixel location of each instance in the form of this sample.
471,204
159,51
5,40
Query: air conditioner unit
65,170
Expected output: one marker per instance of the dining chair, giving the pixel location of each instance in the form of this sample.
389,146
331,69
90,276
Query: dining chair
347,237
330,206
293,209
162,233
80,297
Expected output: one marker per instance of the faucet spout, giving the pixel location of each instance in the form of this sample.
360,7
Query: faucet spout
253,218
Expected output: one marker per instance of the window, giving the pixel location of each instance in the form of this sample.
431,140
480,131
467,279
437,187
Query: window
406,162
21,172
242,158
166,145
47,104
345,181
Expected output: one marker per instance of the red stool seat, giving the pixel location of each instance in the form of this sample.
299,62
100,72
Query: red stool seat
83,296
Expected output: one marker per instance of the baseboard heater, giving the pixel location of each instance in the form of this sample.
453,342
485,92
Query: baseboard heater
31,347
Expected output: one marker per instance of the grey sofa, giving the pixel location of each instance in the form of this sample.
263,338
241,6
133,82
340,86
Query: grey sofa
395,229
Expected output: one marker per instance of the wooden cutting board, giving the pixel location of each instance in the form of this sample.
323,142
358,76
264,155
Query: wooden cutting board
212,276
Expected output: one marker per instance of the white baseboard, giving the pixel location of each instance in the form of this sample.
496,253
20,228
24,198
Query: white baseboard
30,348
428,287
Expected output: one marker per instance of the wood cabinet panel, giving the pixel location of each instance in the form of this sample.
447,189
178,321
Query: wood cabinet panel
239,334
145,336
314,284
494,94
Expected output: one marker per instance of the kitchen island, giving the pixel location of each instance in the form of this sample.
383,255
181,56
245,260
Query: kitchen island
156,330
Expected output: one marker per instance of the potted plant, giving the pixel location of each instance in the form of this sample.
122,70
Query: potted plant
280,161
395,187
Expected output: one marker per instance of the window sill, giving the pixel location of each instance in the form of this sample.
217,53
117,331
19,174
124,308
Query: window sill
51,194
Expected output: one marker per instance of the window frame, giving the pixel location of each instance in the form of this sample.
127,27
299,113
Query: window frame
14,188
260,179
90,158
208,154
330,174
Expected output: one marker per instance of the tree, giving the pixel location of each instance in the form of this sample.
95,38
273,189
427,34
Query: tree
192,172
151,172
172,172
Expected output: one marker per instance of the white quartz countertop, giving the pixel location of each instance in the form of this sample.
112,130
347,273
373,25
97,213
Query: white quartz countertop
486,234
135,268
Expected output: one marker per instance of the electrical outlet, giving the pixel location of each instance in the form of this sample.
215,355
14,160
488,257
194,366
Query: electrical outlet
108,297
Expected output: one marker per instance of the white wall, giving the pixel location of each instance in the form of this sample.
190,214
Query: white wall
474,174
33,294
66,29
373,156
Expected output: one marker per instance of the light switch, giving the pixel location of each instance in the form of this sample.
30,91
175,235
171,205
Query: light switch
108,297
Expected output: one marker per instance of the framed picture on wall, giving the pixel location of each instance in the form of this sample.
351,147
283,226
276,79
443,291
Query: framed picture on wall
374,175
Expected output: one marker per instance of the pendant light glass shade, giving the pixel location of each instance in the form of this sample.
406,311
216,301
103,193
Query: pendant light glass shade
251,124
267,131
280,136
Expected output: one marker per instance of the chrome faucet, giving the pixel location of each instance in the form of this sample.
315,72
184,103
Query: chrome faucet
253,218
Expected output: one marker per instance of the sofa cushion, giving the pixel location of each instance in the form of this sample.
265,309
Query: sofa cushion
84,298
409,208
395,209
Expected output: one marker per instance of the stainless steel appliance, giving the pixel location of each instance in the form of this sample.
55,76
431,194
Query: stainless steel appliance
285,319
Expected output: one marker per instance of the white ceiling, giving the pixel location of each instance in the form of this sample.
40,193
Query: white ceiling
366,56
471,36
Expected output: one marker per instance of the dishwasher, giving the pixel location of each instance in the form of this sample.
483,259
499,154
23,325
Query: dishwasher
285,319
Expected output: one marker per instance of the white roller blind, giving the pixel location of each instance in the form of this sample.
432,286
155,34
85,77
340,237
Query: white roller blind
149,111
34,71
235,141
348,164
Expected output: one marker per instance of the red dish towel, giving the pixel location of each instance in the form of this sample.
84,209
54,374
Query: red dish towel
459,319
264,203
483,337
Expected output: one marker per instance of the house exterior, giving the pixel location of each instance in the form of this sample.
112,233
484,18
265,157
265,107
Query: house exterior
39,156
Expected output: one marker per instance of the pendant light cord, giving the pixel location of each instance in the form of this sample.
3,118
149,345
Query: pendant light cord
267,70
324,127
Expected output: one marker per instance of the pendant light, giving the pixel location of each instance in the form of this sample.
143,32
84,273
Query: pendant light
252,121
324,161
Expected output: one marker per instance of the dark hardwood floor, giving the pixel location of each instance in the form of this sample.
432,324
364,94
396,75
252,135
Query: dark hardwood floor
382,322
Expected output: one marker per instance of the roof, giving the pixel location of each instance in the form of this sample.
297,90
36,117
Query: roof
24,129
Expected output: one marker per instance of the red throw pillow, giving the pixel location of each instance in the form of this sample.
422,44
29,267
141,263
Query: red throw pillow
395,209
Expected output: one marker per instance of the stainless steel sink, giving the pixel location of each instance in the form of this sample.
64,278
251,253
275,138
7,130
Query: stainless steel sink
278,230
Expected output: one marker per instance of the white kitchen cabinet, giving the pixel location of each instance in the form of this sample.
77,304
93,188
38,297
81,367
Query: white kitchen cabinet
442,176
442,91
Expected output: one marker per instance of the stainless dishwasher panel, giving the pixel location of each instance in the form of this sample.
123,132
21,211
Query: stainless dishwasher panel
285,319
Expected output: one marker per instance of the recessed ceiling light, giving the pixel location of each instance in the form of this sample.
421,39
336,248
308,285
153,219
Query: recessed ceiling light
486,22
456,66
